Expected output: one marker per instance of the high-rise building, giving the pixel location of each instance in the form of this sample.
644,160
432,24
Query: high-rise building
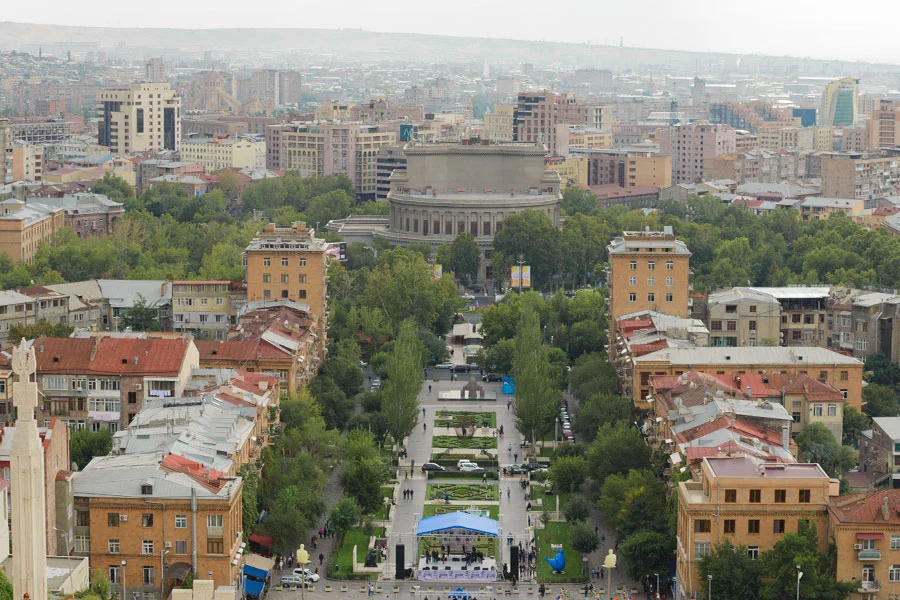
141,117
288,263
839,103
545,117
860,175
690,145
626,168
289,87
883,128
498,124
155,71
5,149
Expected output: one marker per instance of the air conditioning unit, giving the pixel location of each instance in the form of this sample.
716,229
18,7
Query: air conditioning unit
857,546
168,544
139,386
123,517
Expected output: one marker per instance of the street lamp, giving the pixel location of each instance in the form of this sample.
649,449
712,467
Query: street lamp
302,560
709,585
657,584
799,577
123,579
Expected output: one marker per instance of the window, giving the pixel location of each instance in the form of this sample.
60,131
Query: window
632,297
147,547
83,518
215,547
752,325
731,308
267,294
215,521
730,495
651,281
795,416
778,526
780,496
148,576
753,551
729,526
632,265
147,520
82,544
285,278
795,318
895,542
701,549
862,344
670,281
632,281
670,297
817,410
702,526
651,265
301,294
115,575
302,262
180,521
731,325
844,394
113,546
753,308
670,266
804,496
284,262
868,544
302,277
651,297
181,547
267,262
753,526
894,573
845,376
715,325
755,496
267,278
112,519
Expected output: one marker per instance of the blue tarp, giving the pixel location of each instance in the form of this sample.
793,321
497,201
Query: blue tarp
254,572
253,587
458,520
509,386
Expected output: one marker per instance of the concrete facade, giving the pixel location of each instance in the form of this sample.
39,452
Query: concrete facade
690,145
142,117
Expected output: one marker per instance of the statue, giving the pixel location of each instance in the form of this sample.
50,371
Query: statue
371,559
558,562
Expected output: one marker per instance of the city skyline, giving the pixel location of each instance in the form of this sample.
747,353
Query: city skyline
650,25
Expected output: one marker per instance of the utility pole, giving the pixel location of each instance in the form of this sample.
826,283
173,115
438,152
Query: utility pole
520,260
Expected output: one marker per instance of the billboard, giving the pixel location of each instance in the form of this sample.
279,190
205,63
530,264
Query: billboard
526,276
406,132
514,273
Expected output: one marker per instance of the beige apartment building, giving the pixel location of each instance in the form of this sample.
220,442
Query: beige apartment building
573,170
860,175
27,162
750,503
216,154
25,228
883,127
141,117
743,317
626,168
691,145
288,263
498,124
320,149
584,137
202,308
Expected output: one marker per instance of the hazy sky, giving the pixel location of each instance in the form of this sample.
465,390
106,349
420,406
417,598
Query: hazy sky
820,29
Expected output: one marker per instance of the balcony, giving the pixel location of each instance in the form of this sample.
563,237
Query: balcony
869,555
869,587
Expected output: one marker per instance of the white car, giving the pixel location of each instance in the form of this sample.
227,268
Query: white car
465,461
310,576
471,468
444,365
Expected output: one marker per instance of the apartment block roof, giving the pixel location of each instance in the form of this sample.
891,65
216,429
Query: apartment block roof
125,293
757,355
746,467
110,356
889,425
875,507
9,297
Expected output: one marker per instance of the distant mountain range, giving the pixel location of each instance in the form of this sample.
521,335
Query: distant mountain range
286,46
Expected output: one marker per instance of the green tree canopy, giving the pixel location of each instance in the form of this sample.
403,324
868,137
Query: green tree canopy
400,403
537,394
85,445
465,258
735,576
617,449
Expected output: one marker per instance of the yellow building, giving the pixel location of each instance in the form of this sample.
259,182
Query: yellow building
648,270
337,111
26,228
27,161
573,170
289,263
141,117
581,137
748,502
202,308
498,124
216,154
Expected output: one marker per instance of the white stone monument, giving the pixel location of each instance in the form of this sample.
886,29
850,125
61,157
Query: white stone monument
29,541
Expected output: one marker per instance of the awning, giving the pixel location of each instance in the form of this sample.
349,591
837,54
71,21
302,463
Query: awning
675,458
179,571
262,540
253,587
458,520
870,536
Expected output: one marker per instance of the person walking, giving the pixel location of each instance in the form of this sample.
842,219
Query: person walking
484,477
321,558
507,493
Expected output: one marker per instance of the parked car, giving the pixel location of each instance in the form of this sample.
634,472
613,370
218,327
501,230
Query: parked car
310,575
465,461
291,580
444,365
433,467
363,364
376,384
492,377
514,470
471,468
462,368
568,436
535,466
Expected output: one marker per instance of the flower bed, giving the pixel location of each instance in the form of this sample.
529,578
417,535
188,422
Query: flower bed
454,418
473,443
462,491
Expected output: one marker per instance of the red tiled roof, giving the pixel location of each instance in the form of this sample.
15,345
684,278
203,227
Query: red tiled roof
208,478
758,388
110,356
642,349
814,390
867,507
228,350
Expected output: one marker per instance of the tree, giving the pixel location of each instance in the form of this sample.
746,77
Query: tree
295,511
855,423
568,473
43,328
362,479
592,374
99,585
735,576
602,408
345,514
359,444
578,200
778,568
881,400
141,316
583,537
577,508
533,235
617,448
336,405
537,397
633,502
465,258
229,184
85,445
646,553
333,205
498,358
6,588
884,372
343,367
817,444
249,504
114,187
400,404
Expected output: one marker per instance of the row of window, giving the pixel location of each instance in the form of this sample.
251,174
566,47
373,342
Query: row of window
780,496
114,546
651,297
267,262
651,281
285,278
191,301
651,265
301,294
113,519
148,575
730,526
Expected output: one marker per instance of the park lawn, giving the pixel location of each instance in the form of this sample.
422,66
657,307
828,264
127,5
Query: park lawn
387,491
547,451
340,563
549,500
431,510
557,533
474,443
462,491
452,418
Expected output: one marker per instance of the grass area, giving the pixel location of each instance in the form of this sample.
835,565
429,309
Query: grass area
340,562
431,510
454,418
549,500
492,475
462,491
557,533
476,443
387,491
547,451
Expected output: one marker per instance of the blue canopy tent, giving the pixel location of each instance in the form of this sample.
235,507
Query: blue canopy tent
256,574
458,520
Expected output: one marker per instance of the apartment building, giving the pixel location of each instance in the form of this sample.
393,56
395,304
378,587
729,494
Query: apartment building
27,161
102,382
865,529
215,154
845,372
840,103
815,209
883,127
803,310
626,168
287,263
588,137
757,166
202,308
87,213
498,124
572,169
146,520
387,160
326,148
545,117
15,309
6,142
26,226
141,117
879,452
691,145
648,270
860,175
749,116
749,502
743,317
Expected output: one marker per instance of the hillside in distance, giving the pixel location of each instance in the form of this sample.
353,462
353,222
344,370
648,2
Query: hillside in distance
281,45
